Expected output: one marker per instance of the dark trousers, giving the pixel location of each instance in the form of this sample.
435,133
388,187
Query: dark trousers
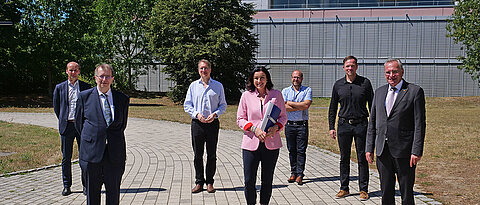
67,150
297,142
107,173
205,134
345,135
251,160
387,167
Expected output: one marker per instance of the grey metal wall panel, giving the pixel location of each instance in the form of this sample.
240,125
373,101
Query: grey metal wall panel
303,40
317,45
277,43
290,41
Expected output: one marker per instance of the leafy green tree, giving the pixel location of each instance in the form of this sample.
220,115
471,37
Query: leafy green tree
121,36
181,32
464,28
46,35
9,11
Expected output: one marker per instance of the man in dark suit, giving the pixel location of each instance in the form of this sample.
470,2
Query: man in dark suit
397,130
65,98
101,119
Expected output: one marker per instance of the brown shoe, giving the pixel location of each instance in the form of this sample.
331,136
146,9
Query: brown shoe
210,188
292,179
363,196
197,188
299,180
342,193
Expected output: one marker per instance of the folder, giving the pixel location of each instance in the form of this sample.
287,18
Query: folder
271,116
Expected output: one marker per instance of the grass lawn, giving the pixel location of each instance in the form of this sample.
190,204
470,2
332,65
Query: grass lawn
448,169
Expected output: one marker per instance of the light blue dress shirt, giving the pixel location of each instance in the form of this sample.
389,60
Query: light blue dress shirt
205,100
289,94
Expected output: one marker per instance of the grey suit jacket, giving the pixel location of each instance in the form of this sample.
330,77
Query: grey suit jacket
405,127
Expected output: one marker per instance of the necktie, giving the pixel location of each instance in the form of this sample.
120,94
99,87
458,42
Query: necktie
108,111
390,99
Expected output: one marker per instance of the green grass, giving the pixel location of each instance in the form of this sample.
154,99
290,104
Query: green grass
33,147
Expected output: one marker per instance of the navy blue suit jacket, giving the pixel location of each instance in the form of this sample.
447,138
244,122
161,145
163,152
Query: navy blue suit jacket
61,104
95,134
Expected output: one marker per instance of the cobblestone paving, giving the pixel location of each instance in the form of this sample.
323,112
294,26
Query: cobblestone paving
159,170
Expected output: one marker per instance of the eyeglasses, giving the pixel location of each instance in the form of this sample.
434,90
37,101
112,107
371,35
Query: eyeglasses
103,77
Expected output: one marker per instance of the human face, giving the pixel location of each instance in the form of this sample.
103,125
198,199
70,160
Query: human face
260,80
393,73
73,70
350,67
297,78
104,79
204,70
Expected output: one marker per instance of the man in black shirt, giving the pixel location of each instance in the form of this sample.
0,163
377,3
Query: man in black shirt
353,92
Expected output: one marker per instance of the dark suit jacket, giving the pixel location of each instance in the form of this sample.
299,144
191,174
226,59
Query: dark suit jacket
405,127
95,134
61,104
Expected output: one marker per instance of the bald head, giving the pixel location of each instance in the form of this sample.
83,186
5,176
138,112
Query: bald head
73,70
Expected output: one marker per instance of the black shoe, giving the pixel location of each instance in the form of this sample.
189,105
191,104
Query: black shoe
66,191
85,191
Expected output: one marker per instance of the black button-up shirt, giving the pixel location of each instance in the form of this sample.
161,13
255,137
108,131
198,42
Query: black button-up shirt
353,98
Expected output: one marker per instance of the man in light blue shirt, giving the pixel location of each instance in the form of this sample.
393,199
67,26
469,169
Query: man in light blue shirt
298,99
205,102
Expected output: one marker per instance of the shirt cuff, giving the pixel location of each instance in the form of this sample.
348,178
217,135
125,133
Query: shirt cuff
279,125
247,126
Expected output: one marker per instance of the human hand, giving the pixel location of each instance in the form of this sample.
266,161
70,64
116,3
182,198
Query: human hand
261,135
272,130
333,134
211,117
414,160
369,157
201,118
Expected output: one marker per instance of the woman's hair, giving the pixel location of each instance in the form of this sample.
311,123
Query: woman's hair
251,87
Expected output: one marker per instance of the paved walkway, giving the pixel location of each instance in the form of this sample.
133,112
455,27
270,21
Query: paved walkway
159,170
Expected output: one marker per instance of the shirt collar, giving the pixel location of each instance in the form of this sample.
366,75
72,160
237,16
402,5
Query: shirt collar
301,88
109,92
398,86
73,85
209,81
257,93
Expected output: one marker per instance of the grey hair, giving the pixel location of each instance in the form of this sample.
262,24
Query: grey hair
104,66
394,60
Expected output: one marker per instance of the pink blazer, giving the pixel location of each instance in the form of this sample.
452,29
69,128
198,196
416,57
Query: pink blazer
249,113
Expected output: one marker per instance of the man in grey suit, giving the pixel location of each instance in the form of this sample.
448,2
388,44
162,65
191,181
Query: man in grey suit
397,130
64,104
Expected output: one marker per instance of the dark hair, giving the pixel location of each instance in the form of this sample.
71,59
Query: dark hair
251,87
350,57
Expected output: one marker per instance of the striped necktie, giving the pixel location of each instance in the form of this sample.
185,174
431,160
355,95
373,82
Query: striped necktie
108,111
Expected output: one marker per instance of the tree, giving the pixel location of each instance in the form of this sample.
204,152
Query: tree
121,36
45,36
181,32
464,28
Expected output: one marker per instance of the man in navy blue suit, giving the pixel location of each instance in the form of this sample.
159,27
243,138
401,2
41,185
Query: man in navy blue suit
101,118
64,103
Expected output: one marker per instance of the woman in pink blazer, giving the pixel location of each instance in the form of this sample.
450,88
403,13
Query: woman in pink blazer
257,145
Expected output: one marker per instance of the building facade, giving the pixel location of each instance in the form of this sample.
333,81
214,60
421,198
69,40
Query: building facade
315,35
